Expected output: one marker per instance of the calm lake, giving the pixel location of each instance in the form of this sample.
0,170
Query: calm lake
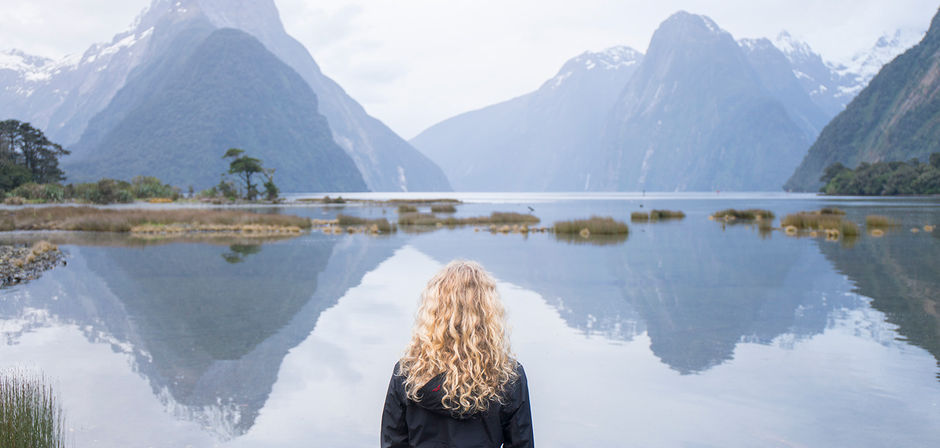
688,333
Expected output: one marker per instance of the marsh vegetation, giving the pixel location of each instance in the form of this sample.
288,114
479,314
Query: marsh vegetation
30,413
752,214
148,221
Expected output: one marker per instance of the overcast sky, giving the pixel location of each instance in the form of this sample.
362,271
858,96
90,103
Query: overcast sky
412,63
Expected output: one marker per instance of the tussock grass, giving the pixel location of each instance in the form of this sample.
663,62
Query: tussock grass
109,220
420,201
503,218
849,228
833,224
811,221
666,214
443,208
879,222
30,413
595,225
377,225
639,216
417,219
751,214
407,208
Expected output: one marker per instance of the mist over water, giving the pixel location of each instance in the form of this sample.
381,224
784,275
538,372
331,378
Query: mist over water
687,333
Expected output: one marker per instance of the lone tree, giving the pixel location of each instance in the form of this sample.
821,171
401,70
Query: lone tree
245,168
26,155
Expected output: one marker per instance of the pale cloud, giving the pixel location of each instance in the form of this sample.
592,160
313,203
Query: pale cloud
412,63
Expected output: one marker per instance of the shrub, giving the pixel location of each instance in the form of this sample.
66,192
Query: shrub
40,192
337,200
146,187
595,225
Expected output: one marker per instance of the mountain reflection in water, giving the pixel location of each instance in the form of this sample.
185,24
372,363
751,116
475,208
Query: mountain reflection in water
291,342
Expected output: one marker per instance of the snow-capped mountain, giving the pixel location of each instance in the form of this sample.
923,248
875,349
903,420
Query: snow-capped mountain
62,97
697,116
831,84
545,140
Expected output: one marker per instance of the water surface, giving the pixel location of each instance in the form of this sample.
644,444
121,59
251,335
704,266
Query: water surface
687,333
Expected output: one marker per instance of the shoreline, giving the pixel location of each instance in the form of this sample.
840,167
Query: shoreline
23,263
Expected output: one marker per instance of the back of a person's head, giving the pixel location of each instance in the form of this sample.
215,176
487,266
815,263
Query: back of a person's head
460,332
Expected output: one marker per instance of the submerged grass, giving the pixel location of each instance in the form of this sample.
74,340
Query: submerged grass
595,225
751,214
30,413
111,220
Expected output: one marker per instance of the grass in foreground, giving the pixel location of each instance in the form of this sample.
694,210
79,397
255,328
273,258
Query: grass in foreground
111,220
752,214
30,413
595,225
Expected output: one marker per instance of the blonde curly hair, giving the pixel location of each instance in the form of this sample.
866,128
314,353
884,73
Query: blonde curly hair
460,332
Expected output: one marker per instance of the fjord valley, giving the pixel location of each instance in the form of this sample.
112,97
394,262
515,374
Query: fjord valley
702,236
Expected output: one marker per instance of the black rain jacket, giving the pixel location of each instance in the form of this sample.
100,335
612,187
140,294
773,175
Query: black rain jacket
427,424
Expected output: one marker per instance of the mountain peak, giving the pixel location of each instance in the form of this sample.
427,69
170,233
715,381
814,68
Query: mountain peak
611,59
688,21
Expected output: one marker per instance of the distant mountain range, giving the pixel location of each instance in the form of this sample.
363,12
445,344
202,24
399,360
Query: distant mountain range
896,117
700,111
539,141
64,97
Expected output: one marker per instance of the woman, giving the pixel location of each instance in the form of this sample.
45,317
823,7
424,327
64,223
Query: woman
458,385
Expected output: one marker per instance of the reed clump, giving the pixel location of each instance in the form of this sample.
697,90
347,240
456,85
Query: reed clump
30,412
751,214
639,217
356,223
112,220
657,215
831,211
443,208
407,208
595,225
496,218
832,223
879,222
